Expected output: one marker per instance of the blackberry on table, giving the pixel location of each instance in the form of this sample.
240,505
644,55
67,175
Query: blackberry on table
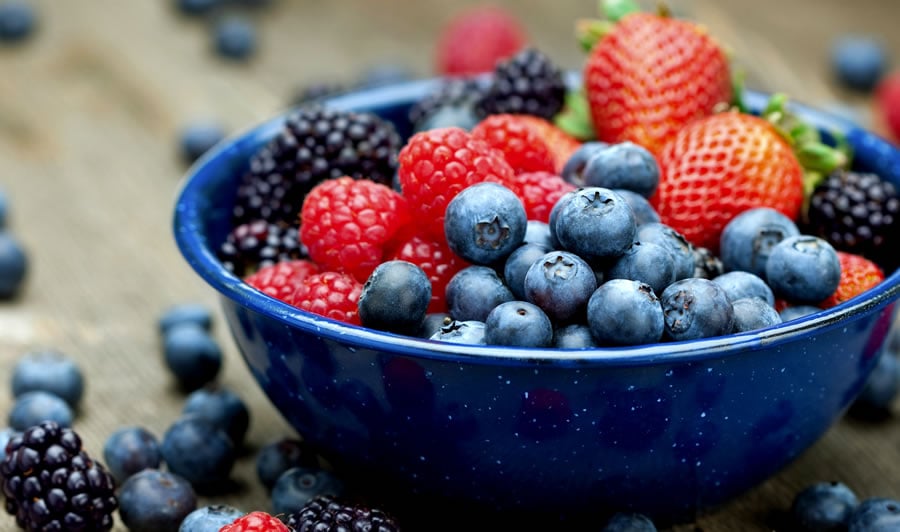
315,143
51,483
527,83
257,244
327,514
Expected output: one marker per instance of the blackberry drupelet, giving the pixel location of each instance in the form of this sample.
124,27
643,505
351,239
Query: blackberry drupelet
327,514
254,245
527,83
50,482
856,213
314,144
458,97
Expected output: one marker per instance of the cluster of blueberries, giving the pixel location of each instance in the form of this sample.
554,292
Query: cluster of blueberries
13,258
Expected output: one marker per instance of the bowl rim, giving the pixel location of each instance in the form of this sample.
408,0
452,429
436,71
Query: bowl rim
206,171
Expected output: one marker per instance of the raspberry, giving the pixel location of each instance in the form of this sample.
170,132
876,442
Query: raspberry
539,192
334,295
437,164
476,39
349,224
256,522
562,145
438,263
281,280
858,274
524,149
887,103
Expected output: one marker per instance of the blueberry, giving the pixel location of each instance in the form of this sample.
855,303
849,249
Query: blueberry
595,223
432,323
13,265
797,311
518,324
858,61
298,485
473,291
876,514
625,312
199,451
738,284
573,336
484,223
560,283
573,170
682,251
823,506
624,165
538,232
234,37
881,388
4,208
696,308
461,332
195,313
129,450
192,355
629,522
155,501
803,269
278,456
517,265
646,262
198,138
395,297
31,408
554,215
752,313
224,408
49,371
197,7
747,240
17,21
210,518
644,213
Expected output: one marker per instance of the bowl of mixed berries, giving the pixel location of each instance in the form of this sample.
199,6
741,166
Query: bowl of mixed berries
546,293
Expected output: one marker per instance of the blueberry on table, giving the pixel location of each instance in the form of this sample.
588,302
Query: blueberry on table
876,514
198,138
278,456
32,408
129,450
197,7
192,355
210,518
858,61
299,485
625,312
13,265
823,506
155,501
17,21
395,297
49,371
629,522
518,324
195,313
224,408
198,451
234,38
803,269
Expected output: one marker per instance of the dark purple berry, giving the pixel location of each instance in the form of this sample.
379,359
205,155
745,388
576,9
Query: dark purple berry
395,297
155,501
129,450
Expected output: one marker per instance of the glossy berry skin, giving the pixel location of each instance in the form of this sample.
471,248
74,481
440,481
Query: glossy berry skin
560,283
297,486
395,298
223,407
475,39
625,312
528,83
517,264
652,75
436,260
432,324
575,165
18,20
629,522
881,388
876,514
235,38
198,138
739,284
484,223
474,291
539,192
696,308
674,242
623,165
210,518
823,506
192,355
278,456
325,513
803,269
334,295
13,265
573,336
647,262
752,313
644,212
469,332
596,223
195,313
257,521
858,274
198,451
748,239
155,501
522,147
518,324
858,61
49,371
131,449
32,408
736,158
538,233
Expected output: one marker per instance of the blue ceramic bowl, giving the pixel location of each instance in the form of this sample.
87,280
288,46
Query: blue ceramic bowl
669,429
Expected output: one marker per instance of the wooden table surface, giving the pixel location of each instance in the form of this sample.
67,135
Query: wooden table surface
90,109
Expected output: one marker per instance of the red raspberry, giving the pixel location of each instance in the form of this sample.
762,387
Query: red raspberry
539,192
256,522
438,263
523,147
887,100
334,295
435,165
858,274
476,39
561,144
349,224
281,279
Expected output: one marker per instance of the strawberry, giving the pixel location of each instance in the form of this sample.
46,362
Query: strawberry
858,274
650,75
476,39
521,144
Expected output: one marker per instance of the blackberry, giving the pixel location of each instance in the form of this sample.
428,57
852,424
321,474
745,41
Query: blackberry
856,212
326,514
257,244
50,482
526,83
314,144
456,98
